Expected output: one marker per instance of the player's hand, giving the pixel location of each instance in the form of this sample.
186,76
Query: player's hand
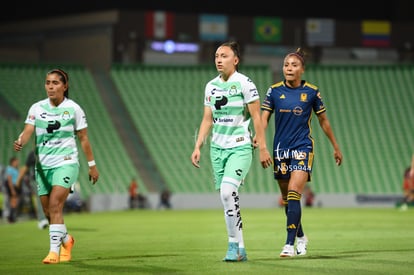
93,174
265,158
338,157
195,158
17,145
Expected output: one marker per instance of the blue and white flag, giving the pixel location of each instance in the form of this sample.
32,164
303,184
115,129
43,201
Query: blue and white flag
213,27
320,32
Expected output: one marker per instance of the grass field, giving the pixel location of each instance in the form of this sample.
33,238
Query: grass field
341,241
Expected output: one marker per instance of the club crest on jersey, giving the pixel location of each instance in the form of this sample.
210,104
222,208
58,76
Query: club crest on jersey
303,97
233,90
66,115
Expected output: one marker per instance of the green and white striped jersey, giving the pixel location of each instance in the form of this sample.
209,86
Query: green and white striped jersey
55,129
228,101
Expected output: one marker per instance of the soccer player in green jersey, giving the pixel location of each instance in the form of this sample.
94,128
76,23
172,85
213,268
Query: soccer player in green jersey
231,101
57,121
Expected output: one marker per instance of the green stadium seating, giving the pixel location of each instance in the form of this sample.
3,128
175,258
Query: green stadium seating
370,109
368,106
167,104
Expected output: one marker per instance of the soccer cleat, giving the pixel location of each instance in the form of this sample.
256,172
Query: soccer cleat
288,251
242,255
232,253
66,250
301,244
51,258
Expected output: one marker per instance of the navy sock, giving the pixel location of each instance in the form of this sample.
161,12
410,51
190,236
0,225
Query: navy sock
300,232
294,212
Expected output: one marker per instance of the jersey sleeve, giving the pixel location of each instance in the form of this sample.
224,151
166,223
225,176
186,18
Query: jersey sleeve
80,119
207,95
31,115
250,92
268,103
318,106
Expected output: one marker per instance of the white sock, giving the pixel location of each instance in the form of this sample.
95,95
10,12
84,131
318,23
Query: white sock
56,233
228,194
65,237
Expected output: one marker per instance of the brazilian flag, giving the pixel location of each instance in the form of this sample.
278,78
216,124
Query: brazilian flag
267,29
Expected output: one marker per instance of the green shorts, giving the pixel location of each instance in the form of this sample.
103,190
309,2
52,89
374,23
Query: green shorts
63,176
230,165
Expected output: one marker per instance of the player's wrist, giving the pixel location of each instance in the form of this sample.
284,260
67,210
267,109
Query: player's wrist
91,163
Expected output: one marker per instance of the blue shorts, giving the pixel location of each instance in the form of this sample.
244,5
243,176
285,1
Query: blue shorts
297,160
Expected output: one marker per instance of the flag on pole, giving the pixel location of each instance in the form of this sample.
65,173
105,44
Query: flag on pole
376,33
213,27
320,32
159,25
267,29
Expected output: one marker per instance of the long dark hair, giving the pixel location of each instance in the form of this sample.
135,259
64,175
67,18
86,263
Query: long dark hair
64,77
